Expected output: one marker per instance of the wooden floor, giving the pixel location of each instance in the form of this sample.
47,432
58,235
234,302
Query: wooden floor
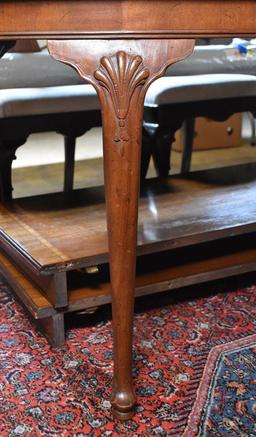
49,178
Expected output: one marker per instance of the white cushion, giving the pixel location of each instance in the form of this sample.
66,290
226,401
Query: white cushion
20,70
49,100
168,90
30,70
215,59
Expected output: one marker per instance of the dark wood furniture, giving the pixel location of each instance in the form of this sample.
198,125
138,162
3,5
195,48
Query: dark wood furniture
5,46
121,47
51,103
16,130
162,122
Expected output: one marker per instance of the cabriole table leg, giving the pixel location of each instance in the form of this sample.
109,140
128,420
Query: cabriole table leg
121,71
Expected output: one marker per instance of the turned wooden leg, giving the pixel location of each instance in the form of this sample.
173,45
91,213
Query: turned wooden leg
188,132
121,71
70,148
7,156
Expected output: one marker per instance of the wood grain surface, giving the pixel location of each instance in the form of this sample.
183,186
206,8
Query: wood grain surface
165,271
55,230
126,18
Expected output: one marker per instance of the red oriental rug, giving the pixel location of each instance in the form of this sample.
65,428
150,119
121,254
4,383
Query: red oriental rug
194,367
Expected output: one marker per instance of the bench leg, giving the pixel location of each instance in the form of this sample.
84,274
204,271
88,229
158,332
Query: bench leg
188,129
7,156
5,187
70,147
161,153
5,46
70,135
146,152
6,177
158,139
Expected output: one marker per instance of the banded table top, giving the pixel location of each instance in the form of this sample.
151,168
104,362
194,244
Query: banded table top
126,18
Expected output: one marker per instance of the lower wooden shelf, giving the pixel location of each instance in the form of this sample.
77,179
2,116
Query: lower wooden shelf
191,230
155,273
48,320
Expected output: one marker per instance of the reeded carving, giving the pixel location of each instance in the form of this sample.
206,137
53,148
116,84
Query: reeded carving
120,75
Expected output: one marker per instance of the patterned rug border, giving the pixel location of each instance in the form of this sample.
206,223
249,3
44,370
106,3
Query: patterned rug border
209,375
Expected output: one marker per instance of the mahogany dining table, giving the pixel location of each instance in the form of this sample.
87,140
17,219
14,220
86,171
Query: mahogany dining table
121,47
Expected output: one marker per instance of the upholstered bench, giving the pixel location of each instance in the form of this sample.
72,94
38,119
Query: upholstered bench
69,110
172,100
36,96
20,72
217,59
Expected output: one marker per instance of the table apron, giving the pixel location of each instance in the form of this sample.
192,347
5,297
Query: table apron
114,19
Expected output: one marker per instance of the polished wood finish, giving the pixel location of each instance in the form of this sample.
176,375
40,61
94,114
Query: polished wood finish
105,64
53,285
29,235
36,303
47,318
121,78
155,273
58,232
126,18
169,270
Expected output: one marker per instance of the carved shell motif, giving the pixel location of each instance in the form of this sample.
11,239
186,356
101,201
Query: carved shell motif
120,75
